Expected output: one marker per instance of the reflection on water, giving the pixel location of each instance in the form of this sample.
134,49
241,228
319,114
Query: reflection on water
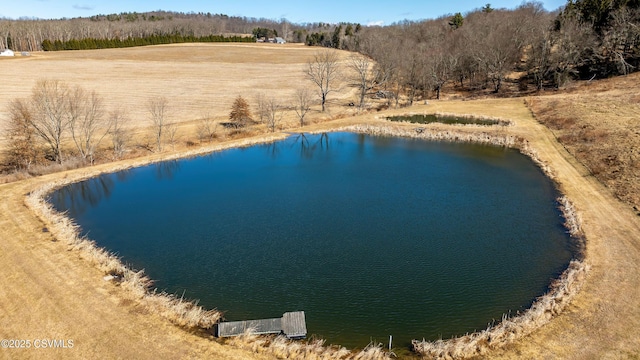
302,144
77,197
370,236
166,170
307,148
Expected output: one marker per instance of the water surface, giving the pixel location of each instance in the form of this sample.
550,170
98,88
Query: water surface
370,236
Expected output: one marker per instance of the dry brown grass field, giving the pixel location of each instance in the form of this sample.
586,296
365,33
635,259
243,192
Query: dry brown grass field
49,291
197,79
599,124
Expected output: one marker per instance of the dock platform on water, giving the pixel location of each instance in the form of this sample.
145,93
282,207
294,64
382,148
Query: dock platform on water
292,324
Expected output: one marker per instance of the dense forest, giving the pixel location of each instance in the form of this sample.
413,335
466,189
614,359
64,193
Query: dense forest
586,39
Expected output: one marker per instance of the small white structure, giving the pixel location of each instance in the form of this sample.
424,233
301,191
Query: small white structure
6,52
280,40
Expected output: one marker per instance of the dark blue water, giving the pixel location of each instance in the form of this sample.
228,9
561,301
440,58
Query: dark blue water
370,236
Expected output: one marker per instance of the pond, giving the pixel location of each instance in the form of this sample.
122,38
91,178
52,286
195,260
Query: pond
370,236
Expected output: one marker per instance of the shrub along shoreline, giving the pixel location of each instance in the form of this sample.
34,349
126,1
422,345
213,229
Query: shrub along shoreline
190,315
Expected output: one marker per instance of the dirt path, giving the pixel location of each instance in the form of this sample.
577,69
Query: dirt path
605,317
48,292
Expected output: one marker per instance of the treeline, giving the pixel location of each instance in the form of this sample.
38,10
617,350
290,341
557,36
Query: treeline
91,44
483,48
335,37
28,34
477,51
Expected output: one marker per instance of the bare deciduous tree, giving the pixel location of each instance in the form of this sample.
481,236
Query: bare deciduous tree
571,42
157,107
364,76
302,104
414,70
206,128
86,120
495,48
273,113
621,40
387,70
323,70
539,58
120,136
261,106
171,132
441,65
49,99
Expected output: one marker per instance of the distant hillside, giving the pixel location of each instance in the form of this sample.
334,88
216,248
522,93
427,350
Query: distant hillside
29,34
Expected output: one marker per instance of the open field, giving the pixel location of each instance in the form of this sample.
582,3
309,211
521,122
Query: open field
49,291
197,79
600,125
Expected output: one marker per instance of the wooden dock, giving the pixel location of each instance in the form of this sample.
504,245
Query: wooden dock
292,324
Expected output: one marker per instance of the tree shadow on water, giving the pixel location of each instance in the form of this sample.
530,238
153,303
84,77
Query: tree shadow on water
166,170
76,198
309,146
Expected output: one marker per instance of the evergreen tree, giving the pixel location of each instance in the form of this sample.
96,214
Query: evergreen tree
335,38
260,32
456,21
348,31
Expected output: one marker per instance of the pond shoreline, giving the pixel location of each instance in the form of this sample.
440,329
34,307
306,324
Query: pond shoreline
561,291
189,315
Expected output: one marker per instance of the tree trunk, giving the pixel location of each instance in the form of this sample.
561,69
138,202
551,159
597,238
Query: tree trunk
58,153
498,85
412,95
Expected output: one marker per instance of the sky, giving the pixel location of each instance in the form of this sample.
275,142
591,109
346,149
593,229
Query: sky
365,12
